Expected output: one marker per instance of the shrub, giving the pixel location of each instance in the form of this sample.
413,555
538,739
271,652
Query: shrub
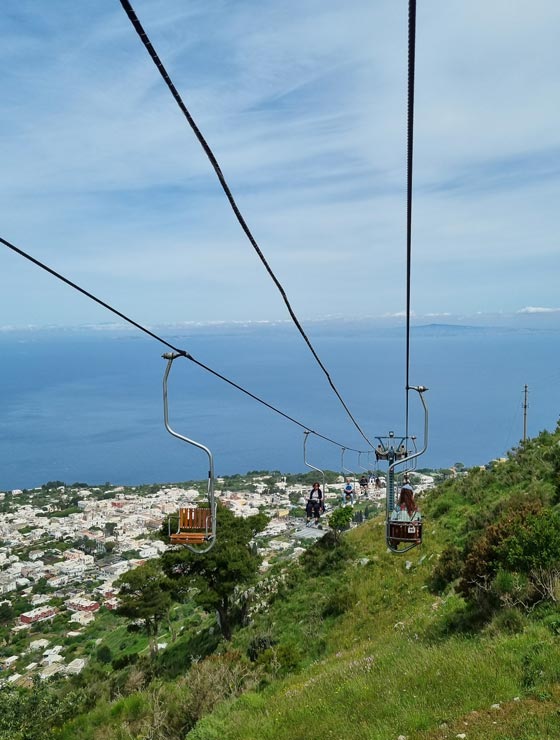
446,570
280,660
123,660
339,602
508,620
258,645
533,544
488,553
327,554
214,680
178,657
440,508
513,589
103,654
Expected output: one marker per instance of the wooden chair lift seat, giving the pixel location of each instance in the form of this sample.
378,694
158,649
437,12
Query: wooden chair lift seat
195,526
405,532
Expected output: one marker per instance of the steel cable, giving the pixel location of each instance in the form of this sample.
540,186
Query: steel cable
409,162
229,195
181,352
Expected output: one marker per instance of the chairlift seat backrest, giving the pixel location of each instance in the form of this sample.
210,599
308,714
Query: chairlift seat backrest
194,526
190,518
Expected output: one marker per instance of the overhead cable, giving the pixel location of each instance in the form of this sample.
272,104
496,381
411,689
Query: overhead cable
181,352
229,195
409,161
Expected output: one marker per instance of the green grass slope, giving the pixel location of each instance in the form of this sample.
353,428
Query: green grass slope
391,669
457,638
400,660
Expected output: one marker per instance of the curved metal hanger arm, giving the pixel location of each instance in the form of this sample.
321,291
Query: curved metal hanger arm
313,467
366,470
170,357
420,389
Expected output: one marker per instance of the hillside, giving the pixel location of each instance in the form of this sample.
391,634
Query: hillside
407,654
458,638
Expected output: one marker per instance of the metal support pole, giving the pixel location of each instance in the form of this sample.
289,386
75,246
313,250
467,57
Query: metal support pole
525,407
390,501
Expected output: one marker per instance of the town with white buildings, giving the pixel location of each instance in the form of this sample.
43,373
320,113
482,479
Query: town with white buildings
62,550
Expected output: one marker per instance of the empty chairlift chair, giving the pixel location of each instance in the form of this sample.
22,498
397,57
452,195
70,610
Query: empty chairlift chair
197,526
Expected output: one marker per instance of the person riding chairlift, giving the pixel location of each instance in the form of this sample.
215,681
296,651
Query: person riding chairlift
314,503
364,485
381,453
401,452
406,509
348,493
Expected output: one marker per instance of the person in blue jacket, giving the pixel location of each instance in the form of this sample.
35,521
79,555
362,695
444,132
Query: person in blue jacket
348,493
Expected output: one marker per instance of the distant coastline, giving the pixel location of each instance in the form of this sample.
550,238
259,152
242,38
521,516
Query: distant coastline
525,320
85,404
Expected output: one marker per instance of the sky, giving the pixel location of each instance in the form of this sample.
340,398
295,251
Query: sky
304,105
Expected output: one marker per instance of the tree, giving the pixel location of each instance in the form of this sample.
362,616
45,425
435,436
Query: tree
34,714
110,528
52,484
87,545
340,519
104,654
218,574
42,586
7,613
144,598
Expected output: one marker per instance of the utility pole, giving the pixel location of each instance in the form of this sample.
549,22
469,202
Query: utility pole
525,407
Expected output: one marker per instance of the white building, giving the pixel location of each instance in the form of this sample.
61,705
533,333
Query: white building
51,670
38,645
76,666
82,618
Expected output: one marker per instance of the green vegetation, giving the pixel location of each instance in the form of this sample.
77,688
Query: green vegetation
457,638
31,715
216,576
340,520
144,599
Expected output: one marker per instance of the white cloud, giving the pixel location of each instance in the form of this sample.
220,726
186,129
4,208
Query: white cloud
538,309
304,105
398,315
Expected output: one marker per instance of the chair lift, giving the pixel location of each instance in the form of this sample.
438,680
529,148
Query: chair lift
402,536
347,471
386,449
196,526
313,467
366,470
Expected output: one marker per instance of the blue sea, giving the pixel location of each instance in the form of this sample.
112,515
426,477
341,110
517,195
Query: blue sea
86,405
